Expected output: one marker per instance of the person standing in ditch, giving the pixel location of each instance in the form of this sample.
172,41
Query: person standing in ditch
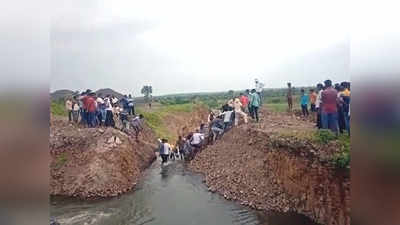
180,143
164,150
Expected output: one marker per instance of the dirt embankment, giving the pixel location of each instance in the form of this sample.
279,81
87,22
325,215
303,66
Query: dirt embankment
184,122
254,165
105,162
96,162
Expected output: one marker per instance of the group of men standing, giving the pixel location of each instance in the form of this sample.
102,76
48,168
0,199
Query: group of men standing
96,110
331,104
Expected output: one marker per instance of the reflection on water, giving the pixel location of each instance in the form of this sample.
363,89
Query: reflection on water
167,195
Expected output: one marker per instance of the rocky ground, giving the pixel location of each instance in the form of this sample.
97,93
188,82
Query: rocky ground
96,162
273,166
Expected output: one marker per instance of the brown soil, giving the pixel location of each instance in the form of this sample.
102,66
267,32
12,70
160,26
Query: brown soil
184,122
257,166
105,162
96,162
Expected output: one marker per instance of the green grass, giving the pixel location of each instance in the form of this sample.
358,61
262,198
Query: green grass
326,138
279,103
57,108
155,119
342,159
280,107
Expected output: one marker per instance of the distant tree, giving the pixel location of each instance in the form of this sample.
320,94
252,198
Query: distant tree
230,93
147,90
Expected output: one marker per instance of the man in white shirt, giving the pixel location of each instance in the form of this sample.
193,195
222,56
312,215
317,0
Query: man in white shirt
227,119
197,138
164,150
114,100
68,106
109,121
259,88
318,104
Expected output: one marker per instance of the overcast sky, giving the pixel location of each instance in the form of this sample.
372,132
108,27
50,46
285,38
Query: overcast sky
181,46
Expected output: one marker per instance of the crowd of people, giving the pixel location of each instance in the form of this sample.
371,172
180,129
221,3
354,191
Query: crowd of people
94,110
219,122
330,103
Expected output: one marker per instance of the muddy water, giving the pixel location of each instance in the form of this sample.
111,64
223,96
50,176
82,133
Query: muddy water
167,195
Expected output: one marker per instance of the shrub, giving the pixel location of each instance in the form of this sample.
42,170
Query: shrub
324,136
342,159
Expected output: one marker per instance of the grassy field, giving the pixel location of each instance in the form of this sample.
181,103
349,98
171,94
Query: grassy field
155,117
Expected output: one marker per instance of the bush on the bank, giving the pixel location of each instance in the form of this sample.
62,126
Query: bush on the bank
342,159
324,136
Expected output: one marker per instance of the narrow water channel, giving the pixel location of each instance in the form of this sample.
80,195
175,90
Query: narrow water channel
167,195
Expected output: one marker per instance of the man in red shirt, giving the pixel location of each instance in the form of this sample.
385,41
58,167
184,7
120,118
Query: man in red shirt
245,101
329,114
91,106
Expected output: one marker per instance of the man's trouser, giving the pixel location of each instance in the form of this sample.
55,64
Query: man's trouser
69,115
91,119
216,132
330,121
241,113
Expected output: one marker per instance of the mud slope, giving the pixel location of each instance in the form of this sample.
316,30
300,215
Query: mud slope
91,162
255,166
104,162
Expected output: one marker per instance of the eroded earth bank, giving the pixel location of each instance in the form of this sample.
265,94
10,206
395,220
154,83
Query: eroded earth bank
105,162
279,165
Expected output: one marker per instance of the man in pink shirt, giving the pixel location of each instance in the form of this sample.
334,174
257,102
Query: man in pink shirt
329,114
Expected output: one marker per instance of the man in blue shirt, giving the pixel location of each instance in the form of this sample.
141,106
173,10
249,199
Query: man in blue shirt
304,103
255,102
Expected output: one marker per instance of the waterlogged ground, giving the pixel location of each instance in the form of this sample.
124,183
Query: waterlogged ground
167,195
